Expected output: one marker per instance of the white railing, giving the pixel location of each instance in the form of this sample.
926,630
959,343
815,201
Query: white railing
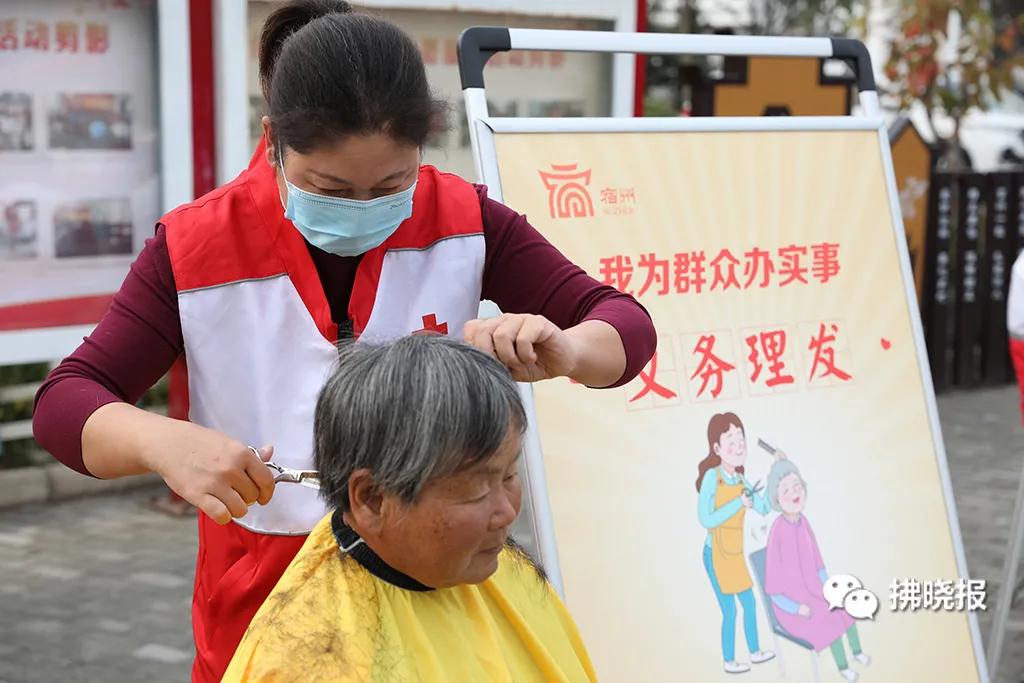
20,429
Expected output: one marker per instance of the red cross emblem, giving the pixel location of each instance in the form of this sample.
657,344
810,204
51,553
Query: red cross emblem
431,326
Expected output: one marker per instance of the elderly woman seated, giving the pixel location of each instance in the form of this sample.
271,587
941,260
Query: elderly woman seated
795,574
413,576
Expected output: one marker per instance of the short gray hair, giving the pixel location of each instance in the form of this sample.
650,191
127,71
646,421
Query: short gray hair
410,411
779,471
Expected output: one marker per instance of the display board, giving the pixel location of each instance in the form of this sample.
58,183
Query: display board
771,258
771,491
80,184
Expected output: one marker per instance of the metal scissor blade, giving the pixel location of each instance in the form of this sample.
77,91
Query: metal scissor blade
307,478
309,481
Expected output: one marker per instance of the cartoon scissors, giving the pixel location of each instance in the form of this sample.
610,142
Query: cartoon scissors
751,490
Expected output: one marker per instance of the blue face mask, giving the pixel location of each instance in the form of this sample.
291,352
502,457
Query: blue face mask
346,227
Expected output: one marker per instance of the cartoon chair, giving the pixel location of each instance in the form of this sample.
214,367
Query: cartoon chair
757,563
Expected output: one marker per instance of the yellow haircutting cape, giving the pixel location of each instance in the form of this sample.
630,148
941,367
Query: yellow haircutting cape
329,619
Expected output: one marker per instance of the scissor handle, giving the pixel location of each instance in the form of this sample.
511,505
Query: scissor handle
283,474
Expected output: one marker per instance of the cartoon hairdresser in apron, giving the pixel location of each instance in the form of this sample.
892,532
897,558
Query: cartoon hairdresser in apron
725,496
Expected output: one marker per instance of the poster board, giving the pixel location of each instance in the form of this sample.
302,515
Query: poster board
772,259
82,181
821,356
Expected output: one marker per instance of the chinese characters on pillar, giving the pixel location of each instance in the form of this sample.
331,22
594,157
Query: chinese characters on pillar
67,37
724,364
698,272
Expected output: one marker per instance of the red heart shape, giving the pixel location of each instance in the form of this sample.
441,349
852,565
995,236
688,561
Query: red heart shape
886,344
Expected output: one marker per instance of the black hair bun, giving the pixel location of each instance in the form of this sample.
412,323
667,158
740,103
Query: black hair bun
285,21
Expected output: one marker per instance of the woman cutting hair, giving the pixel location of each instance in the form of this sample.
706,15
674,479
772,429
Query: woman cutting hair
335,230
413,576
724,496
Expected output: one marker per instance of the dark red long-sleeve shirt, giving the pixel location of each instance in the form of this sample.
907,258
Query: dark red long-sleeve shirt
140,336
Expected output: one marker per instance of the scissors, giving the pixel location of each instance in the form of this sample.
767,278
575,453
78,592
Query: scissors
751,490
308,478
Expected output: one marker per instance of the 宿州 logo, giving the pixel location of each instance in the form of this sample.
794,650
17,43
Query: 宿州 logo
568,196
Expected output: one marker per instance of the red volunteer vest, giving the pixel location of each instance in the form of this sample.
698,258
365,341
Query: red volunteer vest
260,341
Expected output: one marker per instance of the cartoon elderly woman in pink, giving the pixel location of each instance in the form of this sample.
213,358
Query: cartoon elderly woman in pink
795,574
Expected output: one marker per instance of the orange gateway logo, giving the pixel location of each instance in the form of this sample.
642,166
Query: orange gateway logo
568,196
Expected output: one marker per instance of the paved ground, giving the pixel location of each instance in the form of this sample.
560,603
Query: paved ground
72,576
984,444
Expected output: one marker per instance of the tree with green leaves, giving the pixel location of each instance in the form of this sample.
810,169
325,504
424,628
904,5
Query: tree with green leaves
952,57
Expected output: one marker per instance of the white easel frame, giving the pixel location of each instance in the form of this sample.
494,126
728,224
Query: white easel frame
478,43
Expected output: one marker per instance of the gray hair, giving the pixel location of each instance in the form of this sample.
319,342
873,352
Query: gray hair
410,411
779,471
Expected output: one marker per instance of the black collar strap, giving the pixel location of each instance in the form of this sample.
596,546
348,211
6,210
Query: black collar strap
349,543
